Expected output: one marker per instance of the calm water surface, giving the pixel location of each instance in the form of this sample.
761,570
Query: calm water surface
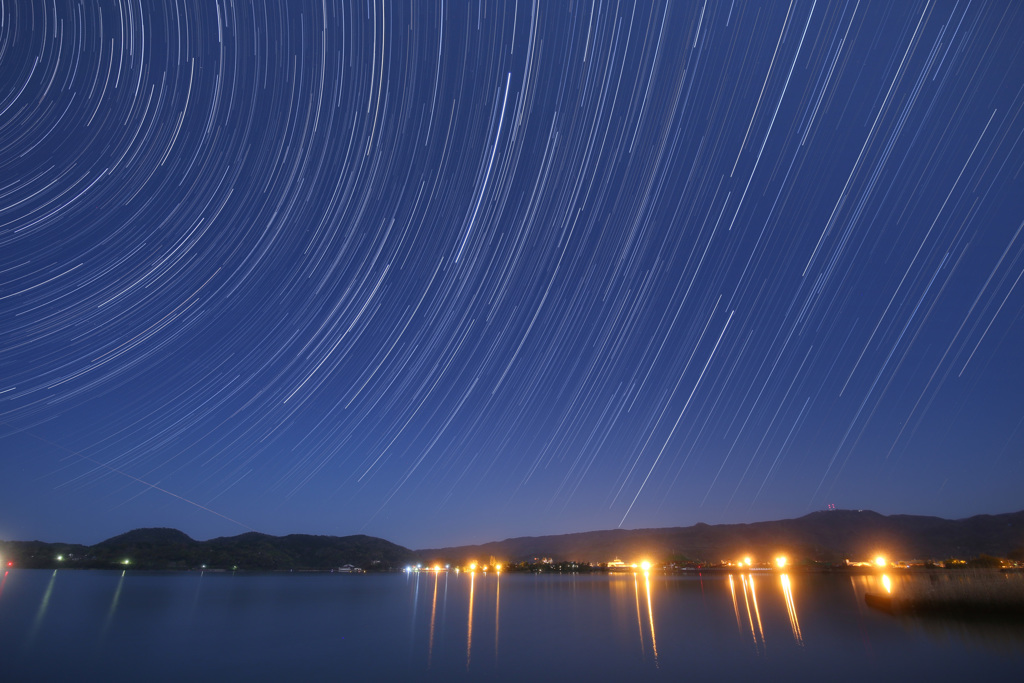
63,625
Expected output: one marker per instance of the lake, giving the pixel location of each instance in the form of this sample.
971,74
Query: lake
130,626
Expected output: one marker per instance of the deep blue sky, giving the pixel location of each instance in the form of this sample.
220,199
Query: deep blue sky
464,271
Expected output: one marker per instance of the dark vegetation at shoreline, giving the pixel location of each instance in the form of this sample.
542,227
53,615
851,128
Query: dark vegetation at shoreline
980,593
817,540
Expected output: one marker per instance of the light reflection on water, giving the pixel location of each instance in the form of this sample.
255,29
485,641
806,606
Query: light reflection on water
433,618
639,623
43,605
483,592
794,621
750,597
497,611
113,605
650,616
634,626
469,620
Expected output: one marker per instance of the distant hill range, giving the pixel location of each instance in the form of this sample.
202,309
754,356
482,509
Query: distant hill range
172,549
820,536
829,536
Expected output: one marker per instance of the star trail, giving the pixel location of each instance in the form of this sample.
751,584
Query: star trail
449,272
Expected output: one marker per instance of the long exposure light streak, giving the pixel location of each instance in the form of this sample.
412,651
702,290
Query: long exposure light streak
452,272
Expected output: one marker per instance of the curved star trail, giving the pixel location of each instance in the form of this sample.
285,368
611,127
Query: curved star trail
445,273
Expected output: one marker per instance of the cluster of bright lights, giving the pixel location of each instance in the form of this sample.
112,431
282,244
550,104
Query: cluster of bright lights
471,567
780,562
433,568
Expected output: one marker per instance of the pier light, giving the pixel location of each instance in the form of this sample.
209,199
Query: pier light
780,561
472,566
126,562
746,561
497,567
880,561
60,558
645,565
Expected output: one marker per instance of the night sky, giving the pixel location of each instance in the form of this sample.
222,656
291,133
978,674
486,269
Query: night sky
450,272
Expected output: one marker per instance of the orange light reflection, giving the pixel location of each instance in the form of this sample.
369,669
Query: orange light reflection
497,610
469,629
757,612
735,606
650,617
794,623
433,613
748,597
639,622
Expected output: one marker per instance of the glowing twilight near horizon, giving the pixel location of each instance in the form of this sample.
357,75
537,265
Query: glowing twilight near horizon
450,272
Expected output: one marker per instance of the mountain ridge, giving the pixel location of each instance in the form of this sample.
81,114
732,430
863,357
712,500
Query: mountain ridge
823,536
830,535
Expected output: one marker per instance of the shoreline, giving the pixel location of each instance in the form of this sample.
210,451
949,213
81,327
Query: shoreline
964,593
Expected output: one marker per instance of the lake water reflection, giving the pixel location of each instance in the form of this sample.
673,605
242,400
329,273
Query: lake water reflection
61,625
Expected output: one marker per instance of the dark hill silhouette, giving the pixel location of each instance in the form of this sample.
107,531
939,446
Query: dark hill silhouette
143,538
172,549
828,536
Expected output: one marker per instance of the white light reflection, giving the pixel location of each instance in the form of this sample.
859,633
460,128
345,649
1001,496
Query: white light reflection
113,604
43,605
